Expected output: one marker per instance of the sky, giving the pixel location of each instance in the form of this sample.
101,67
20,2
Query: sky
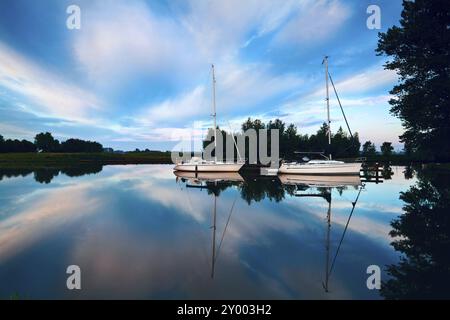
137,74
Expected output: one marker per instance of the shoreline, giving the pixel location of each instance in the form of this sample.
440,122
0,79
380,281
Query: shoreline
33,160
48,160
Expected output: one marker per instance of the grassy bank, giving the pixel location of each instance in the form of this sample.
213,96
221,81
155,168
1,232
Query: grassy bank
31,160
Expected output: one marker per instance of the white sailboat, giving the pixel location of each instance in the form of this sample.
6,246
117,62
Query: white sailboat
197,164
322,167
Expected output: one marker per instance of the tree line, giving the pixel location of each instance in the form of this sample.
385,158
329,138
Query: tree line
291,141
45,142
418,50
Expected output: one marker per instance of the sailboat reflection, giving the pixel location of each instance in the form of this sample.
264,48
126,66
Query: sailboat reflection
324,186
295,185
320,180
198,177
214,182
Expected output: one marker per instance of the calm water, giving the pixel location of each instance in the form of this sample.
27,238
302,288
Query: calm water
139,232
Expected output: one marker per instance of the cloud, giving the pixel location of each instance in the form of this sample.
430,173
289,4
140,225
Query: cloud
52,211
48,93
15,130
311,107
314,22
221,28
239,88
122,45
187,105
122,39
369,79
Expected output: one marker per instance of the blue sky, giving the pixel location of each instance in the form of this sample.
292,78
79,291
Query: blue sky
137,73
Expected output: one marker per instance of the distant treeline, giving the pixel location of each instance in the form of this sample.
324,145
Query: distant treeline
291,141
46,175
45,142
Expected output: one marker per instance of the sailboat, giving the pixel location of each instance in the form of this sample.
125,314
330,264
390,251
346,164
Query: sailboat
197,164
326,166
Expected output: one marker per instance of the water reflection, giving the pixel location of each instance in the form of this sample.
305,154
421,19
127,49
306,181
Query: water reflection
254,188
45,175
142,232
422,235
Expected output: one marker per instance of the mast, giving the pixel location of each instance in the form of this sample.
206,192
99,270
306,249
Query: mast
214,237
327,246
325,60
214,110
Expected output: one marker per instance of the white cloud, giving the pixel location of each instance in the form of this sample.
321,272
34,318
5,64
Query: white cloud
122,39
315,21
220,28
239,87
120,42
312,106
49,93
15,130
369,79
186,105
52,210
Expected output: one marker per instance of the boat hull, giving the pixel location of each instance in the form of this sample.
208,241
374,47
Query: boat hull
321,169
320,180
209,167
210,176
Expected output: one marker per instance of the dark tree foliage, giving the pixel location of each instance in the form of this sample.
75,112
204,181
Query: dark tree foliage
259,189
422,236
386,149
290,140
14,172
16,145
46,175
419,50
369,149
46,143
77,145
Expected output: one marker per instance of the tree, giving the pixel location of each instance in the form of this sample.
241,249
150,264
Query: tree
46,143
256,124
291,140
17,146
369,149
419,50
355,145
77,145
2,143
421,236
277,124
386,149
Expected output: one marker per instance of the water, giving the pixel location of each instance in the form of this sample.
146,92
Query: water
139,232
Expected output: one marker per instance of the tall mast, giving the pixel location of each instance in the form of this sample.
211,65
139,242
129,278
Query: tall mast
213,263
325,60
214,110
327,246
